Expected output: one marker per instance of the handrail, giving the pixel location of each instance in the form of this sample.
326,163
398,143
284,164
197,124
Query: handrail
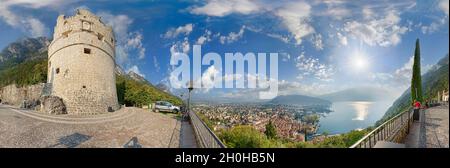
204,135
386,131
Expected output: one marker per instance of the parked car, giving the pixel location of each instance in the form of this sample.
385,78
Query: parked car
163,106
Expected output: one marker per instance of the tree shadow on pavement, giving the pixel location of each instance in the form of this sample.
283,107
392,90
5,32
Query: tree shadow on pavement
71,141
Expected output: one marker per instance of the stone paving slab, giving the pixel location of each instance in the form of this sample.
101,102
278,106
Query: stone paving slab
432,129
141,129
436,128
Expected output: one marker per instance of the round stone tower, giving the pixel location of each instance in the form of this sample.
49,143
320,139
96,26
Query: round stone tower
81,63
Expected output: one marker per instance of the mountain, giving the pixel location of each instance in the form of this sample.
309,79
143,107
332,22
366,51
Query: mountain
23,50
434,81
138,77
299,100
163,87
358,94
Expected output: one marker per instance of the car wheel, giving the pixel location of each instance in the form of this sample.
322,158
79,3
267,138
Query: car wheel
157,110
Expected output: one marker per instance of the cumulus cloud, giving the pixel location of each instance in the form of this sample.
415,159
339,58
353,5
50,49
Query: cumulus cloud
439,22
174,32
311,67
29,24
204,38
224,7
232,36
401,77
180,47
385,31
295,17
316,39
128,42
342,39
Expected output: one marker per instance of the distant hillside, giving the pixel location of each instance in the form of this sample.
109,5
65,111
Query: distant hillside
299,100
358,94
23,50
25,63
434,81
134,90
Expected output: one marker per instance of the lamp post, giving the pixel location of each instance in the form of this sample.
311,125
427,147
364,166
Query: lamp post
190,88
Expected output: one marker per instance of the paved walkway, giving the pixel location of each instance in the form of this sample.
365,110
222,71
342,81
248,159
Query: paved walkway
128,128
187,136
432,129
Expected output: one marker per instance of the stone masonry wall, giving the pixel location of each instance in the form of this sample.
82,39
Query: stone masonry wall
14,95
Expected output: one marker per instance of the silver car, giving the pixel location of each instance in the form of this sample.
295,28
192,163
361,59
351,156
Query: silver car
163,106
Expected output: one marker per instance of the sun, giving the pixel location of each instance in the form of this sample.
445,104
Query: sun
359,61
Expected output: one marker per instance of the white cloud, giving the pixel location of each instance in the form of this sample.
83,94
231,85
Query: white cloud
337,13
128,42
221,8
279,37
37,3
285,57
208,79
342,39
135,42
135,69
316,40
443,5
156,63
204,38
295,17
385,31
434,26
180,47
29,24
232,36
174,32
313,68
401,77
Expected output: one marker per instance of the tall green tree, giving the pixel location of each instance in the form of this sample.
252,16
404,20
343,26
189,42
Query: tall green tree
416,80
270,131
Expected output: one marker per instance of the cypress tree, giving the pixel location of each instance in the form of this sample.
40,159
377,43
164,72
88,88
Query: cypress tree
416,81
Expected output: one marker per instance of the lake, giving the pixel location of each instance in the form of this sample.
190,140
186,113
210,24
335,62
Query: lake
347,116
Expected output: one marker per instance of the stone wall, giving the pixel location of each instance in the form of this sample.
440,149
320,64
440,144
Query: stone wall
14,95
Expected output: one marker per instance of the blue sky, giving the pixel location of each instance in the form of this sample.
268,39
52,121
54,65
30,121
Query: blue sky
323,45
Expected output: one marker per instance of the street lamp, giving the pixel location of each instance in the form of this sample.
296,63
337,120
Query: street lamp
190,88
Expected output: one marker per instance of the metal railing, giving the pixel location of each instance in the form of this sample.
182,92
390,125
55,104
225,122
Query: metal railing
393,130
205,136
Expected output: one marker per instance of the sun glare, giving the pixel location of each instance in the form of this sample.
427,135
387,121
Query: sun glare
359,61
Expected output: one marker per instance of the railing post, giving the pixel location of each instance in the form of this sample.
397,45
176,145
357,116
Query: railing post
409,114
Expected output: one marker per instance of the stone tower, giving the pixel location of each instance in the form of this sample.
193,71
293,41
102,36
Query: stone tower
81,62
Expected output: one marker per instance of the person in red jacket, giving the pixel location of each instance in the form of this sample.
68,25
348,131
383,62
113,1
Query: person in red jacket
417,104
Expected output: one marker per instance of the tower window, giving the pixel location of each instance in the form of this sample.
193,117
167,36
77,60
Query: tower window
87,51
84,87
100,37
112,40
57,70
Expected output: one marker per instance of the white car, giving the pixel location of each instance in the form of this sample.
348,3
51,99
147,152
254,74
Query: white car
166,107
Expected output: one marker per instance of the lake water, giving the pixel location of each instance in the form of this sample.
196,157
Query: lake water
347,116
